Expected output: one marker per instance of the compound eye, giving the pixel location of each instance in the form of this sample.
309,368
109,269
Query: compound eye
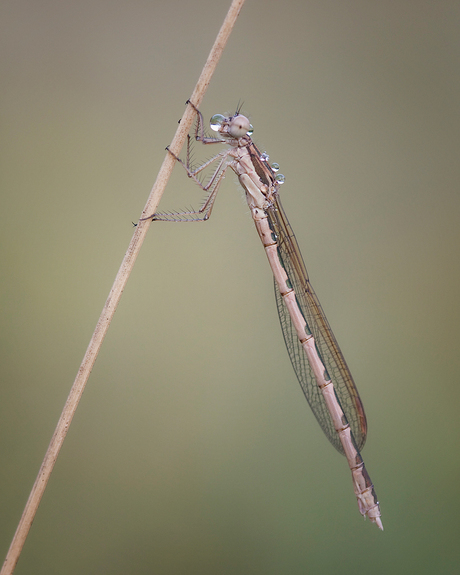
239,126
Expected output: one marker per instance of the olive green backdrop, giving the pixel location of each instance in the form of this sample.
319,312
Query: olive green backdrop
193,450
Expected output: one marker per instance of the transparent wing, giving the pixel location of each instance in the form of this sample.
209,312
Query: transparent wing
326,344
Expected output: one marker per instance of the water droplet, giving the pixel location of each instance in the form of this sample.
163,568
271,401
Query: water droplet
251,130
280,179
216,122
275,167
264,157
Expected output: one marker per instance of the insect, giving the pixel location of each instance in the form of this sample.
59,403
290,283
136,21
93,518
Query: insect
314,352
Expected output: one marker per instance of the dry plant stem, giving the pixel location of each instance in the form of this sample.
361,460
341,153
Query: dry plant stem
115,295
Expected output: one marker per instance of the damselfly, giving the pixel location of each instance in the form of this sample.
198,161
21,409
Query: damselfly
315,355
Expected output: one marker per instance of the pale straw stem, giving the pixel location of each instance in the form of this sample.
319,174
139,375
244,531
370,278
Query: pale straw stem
115,294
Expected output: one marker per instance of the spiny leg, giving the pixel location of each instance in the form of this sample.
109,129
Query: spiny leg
211,188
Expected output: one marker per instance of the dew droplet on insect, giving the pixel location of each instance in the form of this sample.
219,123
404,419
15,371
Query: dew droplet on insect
216,122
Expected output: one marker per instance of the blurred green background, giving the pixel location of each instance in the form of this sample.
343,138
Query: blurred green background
193,449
